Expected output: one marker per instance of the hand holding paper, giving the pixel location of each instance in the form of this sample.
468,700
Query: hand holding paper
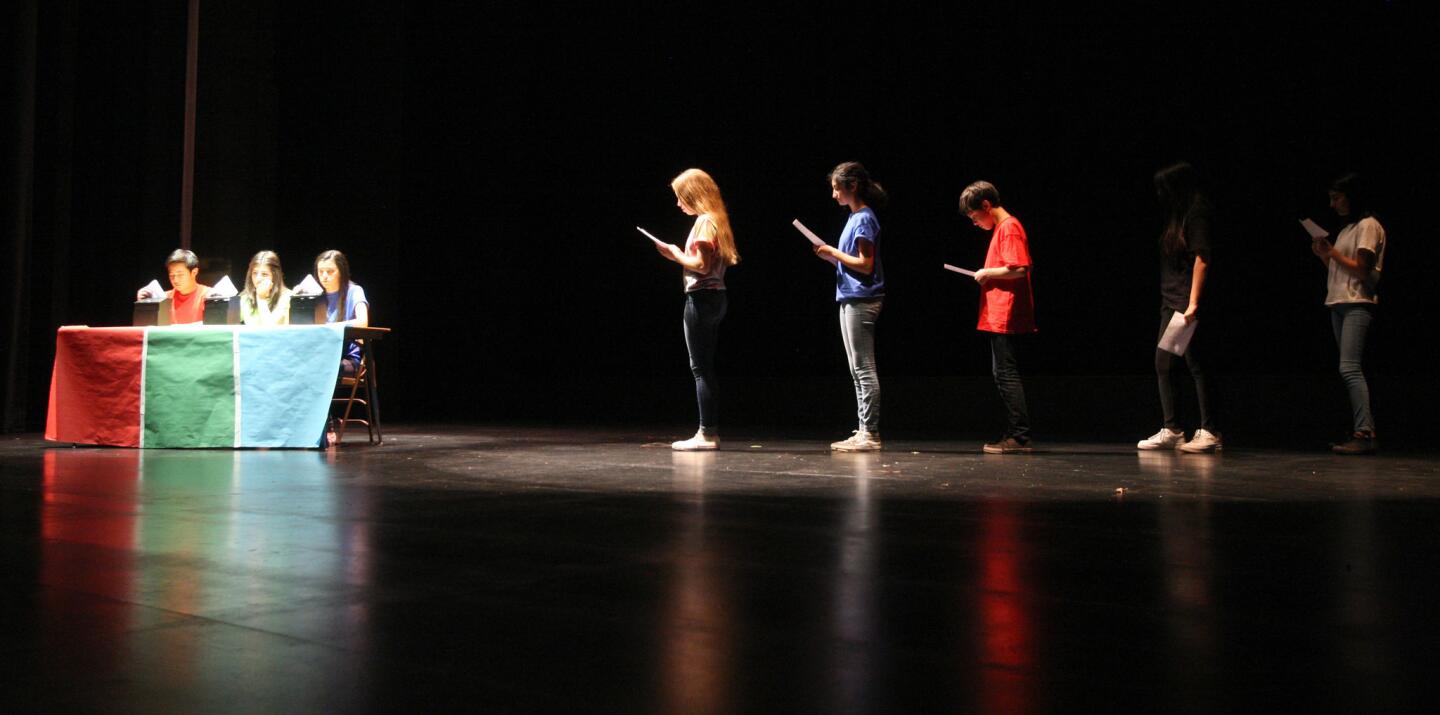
152,292
814,240
1177,334
959,270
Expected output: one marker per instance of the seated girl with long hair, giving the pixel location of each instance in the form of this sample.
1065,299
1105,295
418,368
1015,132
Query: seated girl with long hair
265,300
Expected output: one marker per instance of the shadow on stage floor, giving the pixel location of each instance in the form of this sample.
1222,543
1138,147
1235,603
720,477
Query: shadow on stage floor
521,568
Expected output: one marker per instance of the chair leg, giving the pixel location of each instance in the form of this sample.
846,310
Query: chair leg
349,404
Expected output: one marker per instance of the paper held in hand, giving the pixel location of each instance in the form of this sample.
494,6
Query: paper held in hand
222,289
813,239
153,292
650,236
1313,229
1177,334
959,270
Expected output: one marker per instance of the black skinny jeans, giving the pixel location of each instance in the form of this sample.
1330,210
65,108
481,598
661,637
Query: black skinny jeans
1170,389
1005,365
704,309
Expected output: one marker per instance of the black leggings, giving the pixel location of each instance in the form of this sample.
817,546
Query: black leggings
1170,389
704,309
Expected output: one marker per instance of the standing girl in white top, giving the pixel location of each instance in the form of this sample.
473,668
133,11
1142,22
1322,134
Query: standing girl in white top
709,250
1354,263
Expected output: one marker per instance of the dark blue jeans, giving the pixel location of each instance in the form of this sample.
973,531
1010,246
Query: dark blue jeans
1005,366
704,309
1351,322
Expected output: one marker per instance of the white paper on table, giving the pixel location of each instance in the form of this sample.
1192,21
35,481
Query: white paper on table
307,287
1177,334
651,236
154,291
222,289
813,239
958,269
1313,229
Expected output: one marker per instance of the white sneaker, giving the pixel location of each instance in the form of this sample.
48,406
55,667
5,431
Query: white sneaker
1203,441
1164,439
698,443
861,441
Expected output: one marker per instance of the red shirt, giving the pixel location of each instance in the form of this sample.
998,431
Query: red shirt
1008,306
188,308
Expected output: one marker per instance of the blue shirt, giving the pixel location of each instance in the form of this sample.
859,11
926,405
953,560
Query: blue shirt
355,296
849,283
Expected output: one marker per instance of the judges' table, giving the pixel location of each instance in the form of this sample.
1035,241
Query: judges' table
194,386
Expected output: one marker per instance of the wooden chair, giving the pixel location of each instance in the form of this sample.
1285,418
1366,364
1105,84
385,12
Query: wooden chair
358,390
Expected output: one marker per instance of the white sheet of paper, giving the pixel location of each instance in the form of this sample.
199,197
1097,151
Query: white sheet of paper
1177,334
650,236
155,292
958,269
223,288
813,239
1313,229
308,287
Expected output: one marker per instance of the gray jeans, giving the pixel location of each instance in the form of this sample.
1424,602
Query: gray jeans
1351,322
857,328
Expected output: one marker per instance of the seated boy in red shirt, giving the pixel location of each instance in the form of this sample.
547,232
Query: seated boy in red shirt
187,295
1007,306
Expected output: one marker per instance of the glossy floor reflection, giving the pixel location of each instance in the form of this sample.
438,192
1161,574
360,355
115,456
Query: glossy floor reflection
543,570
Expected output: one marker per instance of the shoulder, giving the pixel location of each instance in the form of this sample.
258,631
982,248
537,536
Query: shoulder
357,294
865,222
705,226
1010,228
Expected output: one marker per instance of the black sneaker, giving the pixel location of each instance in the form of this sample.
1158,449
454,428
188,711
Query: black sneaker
1360,443
1008,445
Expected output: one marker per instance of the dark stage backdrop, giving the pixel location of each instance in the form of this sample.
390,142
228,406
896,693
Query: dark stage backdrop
485,166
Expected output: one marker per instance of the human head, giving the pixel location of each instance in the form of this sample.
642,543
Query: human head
978,202
1176,186
332,269
1348,198
696,193
850,180
182,267
265,264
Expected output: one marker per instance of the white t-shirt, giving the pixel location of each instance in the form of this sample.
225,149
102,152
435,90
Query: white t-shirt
1343,286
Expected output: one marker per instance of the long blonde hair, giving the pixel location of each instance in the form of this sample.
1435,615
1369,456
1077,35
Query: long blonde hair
698,191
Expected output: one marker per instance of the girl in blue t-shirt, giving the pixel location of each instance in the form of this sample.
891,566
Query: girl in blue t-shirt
345,302
860,291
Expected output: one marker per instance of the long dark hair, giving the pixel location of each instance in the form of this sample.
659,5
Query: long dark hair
1353,187
1178,188
272,261
853,177
342,263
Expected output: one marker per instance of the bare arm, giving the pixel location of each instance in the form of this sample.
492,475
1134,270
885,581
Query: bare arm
1002,273
1197,285
863,263
1359,266
362,316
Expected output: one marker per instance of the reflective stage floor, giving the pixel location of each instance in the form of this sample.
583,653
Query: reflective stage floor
524,570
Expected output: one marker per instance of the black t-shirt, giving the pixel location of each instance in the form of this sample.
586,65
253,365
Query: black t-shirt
1178,269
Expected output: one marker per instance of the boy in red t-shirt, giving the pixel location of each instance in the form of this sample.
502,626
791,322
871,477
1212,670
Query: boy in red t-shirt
1007,306
187,294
